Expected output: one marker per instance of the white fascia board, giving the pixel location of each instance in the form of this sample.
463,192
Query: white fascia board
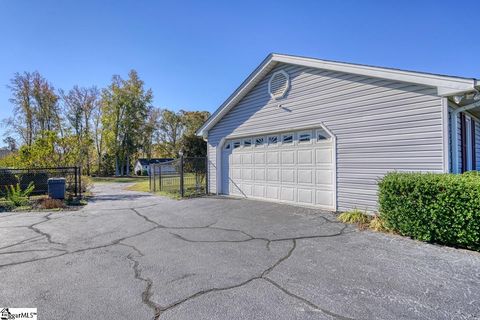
237,95
454,84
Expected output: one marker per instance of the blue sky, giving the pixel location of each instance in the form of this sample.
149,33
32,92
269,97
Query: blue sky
193,54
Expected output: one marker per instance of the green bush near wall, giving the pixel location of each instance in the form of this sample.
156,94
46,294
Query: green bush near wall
440,208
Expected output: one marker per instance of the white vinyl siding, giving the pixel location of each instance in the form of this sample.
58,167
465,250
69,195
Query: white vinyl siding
380,125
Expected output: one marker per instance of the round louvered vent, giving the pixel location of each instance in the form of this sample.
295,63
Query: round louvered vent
278,84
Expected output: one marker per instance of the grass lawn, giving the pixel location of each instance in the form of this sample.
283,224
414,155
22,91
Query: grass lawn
143,186
170,186
120,179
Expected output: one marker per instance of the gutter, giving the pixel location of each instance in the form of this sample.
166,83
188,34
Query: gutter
454,132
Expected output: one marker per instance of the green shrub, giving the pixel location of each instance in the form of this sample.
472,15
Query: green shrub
87,184
6,205
39,179
17,196
6,179
441,208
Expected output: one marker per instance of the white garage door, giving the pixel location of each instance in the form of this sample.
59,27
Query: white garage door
293,167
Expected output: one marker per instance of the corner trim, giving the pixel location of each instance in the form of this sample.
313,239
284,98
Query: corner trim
446,138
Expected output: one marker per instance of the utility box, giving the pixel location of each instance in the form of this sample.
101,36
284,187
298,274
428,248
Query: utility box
56,188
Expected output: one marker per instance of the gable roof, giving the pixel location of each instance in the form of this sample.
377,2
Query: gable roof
446,85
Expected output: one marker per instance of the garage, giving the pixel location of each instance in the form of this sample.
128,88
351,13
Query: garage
294,167
323,133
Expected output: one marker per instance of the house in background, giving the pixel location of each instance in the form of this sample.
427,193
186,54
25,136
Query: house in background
4,152
143,165
322,133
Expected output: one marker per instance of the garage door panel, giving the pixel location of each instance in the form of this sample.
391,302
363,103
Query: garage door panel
324,176
236,173
247,189
273,174
247,158
235,188
324,198
287,194
273,192
259,191
305,176
236,158
305,157
272,157
288,176
323,156
247,174
288,157
259,174
305,196
259,158
296,172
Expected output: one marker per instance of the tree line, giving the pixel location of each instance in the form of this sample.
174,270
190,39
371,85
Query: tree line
102,130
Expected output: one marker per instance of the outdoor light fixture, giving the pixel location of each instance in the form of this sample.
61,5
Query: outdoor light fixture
457,99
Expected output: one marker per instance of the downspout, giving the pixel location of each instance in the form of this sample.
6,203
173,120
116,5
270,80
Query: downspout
454,132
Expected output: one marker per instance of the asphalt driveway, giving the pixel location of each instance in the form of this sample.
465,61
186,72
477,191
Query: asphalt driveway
129,255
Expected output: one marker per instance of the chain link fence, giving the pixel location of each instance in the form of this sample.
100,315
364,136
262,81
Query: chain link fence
39,177
186,176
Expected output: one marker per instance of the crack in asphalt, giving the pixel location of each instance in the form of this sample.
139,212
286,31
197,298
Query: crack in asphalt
203,292
307,302
22,242
148,291
66,252
250,237
262,276
45,234
146,218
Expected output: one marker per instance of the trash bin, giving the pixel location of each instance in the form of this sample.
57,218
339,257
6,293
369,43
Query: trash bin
56,188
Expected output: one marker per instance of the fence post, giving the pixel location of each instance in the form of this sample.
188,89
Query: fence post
160,177
206,176
76,182
149,172
153,175
182,191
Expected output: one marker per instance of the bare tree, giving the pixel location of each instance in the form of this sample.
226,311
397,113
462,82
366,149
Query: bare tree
79,106
24,122
35,106
11,143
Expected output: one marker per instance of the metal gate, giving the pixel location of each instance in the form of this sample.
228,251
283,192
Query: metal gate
185,176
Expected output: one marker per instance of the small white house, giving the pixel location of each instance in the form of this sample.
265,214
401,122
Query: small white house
321,133
143,164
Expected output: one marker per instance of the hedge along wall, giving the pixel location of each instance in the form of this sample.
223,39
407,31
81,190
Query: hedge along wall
441,208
